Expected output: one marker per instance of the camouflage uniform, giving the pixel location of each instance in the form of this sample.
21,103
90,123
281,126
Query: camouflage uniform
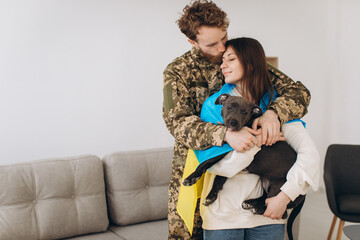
188,81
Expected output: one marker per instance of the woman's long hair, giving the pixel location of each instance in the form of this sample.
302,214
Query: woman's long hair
256,80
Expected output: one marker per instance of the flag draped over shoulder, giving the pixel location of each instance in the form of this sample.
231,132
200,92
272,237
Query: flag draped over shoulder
189,195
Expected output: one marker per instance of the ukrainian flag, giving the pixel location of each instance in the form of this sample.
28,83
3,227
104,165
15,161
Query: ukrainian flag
189,195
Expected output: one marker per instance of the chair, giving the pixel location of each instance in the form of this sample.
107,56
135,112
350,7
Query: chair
342,182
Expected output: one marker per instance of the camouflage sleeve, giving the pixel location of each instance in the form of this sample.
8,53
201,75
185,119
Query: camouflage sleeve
293,99
181,118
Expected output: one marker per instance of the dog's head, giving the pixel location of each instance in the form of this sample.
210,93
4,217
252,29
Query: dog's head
237,112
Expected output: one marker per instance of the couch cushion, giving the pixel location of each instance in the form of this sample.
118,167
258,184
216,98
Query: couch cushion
137,185
154,230
52,199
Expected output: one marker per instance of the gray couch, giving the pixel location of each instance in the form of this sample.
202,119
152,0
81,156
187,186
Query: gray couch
123,196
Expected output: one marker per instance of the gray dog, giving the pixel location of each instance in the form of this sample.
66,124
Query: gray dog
271,163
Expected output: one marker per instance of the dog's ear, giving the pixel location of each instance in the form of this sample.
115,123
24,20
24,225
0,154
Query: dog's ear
256,111
221,99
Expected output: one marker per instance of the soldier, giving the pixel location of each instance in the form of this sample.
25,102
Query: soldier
193,77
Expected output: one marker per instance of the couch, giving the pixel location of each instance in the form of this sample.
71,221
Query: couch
122,196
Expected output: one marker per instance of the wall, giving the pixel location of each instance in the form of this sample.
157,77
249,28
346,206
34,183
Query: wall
85,76
344,77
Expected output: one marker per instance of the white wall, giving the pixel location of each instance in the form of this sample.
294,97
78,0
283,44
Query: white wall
85,76
345,80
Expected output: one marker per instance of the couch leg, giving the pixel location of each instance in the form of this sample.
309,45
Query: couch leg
341,226
332,227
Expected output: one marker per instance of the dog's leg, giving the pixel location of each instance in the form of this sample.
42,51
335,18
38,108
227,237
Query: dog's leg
196,175
274,189
257,205
218,184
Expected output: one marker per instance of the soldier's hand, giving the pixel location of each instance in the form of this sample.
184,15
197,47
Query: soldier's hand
270,128
242,140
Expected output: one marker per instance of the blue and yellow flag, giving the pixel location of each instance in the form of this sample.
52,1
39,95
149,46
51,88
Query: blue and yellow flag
188,196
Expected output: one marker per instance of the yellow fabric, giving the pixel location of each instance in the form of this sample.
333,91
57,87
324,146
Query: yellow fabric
188,195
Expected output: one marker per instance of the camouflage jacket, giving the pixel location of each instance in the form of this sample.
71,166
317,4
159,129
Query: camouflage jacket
190,79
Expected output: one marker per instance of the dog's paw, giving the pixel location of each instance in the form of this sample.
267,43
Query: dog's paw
247,205
190,181
259,210
209,201
186,182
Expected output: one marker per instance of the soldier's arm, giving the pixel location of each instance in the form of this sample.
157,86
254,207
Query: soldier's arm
181,119
293,99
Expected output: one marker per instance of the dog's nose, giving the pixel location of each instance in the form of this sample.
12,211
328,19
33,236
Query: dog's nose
233,123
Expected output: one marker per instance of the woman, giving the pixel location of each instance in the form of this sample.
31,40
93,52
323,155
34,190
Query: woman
244,66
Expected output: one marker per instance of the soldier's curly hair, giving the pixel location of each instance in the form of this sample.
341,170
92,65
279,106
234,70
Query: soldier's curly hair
201,13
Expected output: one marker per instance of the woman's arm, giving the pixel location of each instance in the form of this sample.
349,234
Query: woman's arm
306,170
304,173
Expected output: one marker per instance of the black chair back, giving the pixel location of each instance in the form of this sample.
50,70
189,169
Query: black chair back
342,181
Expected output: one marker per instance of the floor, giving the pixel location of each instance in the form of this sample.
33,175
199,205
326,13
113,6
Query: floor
316,218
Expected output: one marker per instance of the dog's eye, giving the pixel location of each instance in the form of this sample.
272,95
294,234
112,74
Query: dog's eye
244,112
229,107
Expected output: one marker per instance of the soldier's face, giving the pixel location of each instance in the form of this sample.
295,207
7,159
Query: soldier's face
211,42
231,67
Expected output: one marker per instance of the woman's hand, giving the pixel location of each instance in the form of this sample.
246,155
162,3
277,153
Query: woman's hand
276,206
270,127
242,140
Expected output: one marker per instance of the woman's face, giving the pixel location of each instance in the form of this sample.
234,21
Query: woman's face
231,67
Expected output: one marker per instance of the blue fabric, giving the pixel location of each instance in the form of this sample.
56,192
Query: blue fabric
265,232
212,113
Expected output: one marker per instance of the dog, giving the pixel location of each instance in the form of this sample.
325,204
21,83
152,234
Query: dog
271,163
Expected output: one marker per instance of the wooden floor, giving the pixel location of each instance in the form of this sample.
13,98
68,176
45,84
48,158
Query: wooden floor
316,218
